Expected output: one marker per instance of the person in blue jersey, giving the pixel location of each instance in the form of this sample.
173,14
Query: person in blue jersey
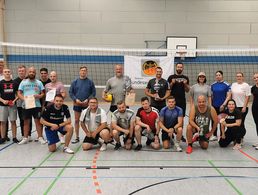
220,96
171,121
80,91
31,91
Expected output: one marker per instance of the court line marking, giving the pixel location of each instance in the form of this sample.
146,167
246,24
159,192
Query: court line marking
129,167
152,160
248,156
12,143
227,180
33,171
61,171
94,173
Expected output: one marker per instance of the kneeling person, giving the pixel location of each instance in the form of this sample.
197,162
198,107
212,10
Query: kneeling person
122,122
93,121
199,123
171,121
147,118
53,119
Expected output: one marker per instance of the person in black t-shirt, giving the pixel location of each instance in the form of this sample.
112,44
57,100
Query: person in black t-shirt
179,85
8,108
53,119
231,121
158,90
254,91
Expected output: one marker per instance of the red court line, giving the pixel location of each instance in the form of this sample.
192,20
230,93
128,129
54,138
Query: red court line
94,173
248,156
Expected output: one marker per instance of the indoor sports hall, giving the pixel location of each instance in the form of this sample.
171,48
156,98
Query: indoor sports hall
141,35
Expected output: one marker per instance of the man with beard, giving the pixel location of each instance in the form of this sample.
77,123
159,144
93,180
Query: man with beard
117,86
158,90
179,84
199,124
30,91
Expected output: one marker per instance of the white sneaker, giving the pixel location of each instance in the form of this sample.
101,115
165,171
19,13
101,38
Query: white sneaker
24,141
178,148
29,139
255,145
41,140
103,147
213,138
237,147
62,140
68,150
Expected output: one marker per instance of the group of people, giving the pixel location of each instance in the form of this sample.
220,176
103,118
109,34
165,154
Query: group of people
163,109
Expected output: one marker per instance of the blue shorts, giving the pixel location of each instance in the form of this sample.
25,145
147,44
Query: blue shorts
52,136
78,108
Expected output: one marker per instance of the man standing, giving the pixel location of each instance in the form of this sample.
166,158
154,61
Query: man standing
179,84
147,119
94,123
171,121
199,122
8,107
17,81
122,123
118,86
80,91
31,91
53,118
44,76
158,90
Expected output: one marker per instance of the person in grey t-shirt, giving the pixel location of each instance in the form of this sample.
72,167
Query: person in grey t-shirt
200,88
117,86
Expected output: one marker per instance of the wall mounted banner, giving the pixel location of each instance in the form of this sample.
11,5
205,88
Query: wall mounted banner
142,69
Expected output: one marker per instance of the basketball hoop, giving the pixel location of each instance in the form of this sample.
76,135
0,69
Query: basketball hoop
181,54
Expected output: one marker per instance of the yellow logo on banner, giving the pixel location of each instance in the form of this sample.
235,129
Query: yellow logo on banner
149,67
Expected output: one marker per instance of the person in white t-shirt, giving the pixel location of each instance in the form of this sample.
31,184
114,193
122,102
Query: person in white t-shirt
93,121
241,93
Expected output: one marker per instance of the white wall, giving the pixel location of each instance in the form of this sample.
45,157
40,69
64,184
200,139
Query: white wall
128,23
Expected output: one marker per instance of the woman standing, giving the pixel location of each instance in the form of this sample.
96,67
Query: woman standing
200,88
232,122
220,96
241,93
254,91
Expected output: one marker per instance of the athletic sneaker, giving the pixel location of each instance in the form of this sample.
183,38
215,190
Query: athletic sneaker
103,147
138,147
42,141
189,149
255,145
62,139
7,138
237,147
177,147
29,138
15,140
76,140
68,150
23,141
195,137
117,146
213,138
2,140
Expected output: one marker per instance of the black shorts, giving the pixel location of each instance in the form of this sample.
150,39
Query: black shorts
91,140
33,112
164,136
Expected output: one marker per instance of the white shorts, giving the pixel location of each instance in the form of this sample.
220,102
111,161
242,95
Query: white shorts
8,112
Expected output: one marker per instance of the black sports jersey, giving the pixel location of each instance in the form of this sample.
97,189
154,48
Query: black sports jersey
8,90
254,91
52,115
232,116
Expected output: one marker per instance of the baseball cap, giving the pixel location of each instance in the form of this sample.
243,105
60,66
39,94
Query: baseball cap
201,74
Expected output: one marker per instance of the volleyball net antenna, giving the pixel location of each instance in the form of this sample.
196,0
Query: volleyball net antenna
66,61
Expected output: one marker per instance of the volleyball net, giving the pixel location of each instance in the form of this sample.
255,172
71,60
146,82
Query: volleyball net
66,61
